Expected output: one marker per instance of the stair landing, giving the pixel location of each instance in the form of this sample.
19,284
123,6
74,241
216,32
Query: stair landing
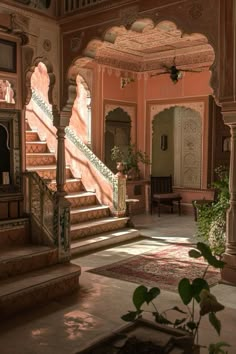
37,287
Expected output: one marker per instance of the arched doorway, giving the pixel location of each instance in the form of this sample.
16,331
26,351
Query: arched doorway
117,133
180,155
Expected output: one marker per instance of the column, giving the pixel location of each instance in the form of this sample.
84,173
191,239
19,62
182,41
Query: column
62,206
61,121
229,270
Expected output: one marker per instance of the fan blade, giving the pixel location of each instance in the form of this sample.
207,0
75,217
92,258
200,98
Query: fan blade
191,70
166,72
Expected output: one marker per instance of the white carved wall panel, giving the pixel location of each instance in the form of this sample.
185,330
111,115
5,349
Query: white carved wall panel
188,148
188,118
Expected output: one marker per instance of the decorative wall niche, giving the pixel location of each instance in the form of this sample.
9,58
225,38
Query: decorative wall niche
10,146
6,92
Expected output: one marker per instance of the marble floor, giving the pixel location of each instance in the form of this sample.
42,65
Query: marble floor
67,325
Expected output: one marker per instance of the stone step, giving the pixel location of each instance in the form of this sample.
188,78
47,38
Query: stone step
14,232
103,240
48,172
36,147
17,260
38,287
96,227
72,185
86,213
40,159
31,135
79,199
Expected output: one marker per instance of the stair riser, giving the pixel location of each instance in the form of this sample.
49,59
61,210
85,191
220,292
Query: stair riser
36,148
89,215
51,174
41,160
32,136
82,201
15,236
97,229
37,295
70,187
23,264
104,243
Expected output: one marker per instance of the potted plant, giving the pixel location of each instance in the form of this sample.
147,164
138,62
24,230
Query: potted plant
191,293
131,158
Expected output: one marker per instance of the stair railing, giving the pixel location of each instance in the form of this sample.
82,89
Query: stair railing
49,215
73,5
117,185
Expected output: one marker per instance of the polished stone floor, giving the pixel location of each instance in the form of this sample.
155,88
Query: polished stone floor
67,325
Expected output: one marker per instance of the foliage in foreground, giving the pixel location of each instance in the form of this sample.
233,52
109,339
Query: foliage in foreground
211,223
191,293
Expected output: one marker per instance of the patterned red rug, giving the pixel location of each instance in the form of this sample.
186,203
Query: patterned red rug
163,269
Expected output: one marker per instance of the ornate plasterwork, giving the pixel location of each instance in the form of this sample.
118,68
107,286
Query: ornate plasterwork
147,47
196,106
130,110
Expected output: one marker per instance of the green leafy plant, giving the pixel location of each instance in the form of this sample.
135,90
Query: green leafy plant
191,293
131,157
211,223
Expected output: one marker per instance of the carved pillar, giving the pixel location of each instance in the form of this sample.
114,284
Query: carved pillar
229,270
61,121
62,208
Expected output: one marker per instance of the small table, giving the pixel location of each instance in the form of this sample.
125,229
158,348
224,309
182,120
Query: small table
129,203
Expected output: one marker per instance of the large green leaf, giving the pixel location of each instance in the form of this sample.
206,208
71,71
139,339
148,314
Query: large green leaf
185,291
215,322
216,348
209,257
191,325
130,316
159,318
142,294
152,294
139,296
197,285
194,254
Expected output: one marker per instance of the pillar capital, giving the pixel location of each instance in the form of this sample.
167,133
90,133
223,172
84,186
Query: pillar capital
61,119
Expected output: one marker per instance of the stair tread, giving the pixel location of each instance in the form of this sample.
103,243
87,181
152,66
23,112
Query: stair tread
79,194
96,222
31,131
14,285
13,252
13,221
36,142
103,236
31,154
42,167
67,180
88,208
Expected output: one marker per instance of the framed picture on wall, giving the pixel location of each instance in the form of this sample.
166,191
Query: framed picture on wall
8,56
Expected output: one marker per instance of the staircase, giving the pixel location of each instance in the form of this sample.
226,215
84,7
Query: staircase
92,225
30,274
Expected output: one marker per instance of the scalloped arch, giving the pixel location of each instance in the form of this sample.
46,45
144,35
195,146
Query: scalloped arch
50,73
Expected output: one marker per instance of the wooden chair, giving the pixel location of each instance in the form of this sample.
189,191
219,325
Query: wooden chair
162,193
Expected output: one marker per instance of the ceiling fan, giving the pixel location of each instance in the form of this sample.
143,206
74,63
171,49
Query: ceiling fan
174,72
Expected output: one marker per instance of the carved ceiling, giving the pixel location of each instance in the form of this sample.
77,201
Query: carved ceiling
146,48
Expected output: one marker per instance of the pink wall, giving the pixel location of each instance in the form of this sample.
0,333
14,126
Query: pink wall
192,84
113,90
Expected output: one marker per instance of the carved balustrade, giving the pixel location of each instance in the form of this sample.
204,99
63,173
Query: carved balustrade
50,216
